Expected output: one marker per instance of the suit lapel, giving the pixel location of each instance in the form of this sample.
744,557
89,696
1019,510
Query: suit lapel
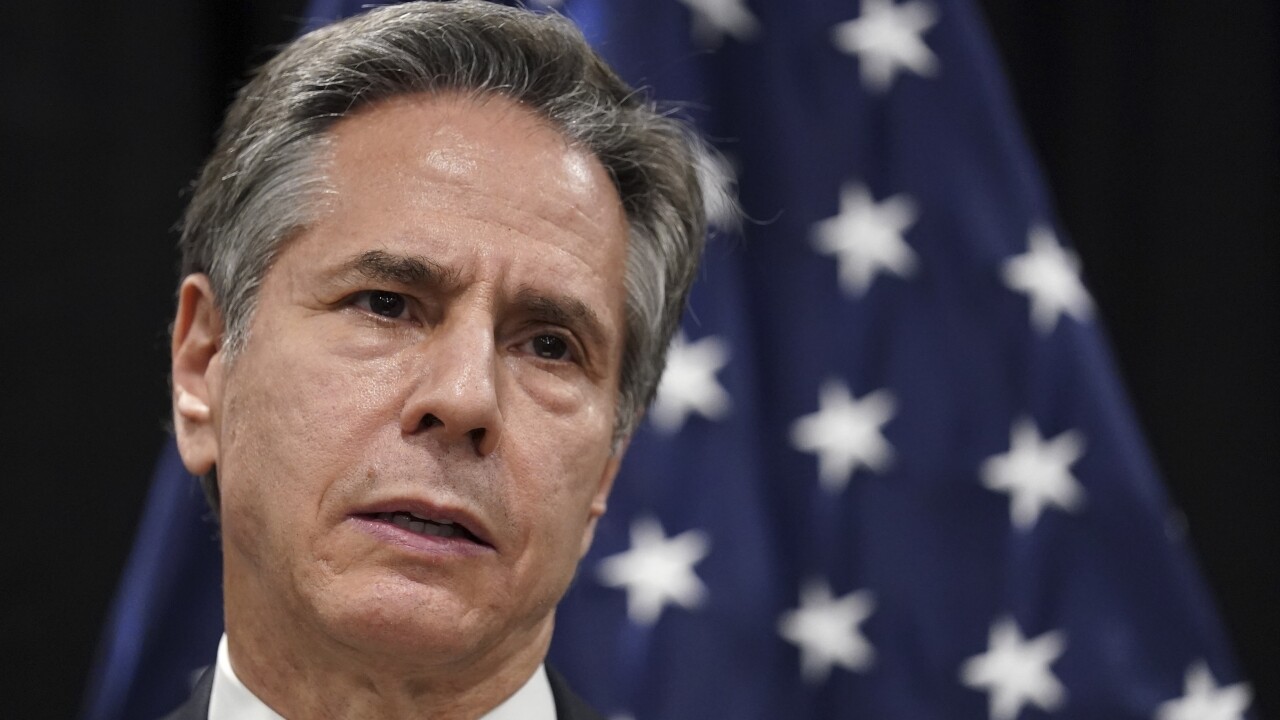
197,706
568,705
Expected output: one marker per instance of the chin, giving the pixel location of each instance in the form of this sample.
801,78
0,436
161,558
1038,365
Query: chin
400,619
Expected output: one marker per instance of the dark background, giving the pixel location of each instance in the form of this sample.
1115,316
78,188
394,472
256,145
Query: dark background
1158,130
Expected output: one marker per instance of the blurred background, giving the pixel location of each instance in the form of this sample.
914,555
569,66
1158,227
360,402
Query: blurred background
1158,131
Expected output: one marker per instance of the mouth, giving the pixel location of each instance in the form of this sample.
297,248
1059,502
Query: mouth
424,526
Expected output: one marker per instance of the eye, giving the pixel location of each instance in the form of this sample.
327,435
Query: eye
550,347
382,302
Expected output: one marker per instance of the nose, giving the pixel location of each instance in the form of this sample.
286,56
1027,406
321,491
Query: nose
455,395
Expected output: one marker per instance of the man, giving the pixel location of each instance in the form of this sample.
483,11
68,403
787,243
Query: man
430,273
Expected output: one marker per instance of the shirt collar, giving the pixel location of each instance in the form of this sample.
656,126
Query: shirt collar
231,700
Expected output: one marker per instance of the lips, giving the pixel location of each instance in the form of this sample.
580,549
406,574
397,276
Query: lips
427,521
424,526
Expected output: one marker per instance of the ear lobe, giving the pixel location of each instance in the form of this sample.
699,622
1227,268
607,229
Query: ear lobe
197,373
600,502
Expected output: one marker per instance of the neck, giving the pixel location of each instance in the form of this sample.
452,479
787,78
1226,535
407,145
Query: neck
301,670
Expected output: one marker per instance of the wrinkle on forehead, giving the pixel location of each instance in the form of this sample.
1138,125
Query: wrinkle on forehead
450,178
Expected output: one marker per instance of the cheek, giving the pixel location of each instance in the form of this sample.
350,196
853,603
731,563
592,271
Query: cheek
296,428
570,464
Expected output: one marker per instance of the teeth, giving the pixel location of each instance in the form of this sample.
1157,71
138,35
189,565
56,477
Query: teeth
413,523
441,530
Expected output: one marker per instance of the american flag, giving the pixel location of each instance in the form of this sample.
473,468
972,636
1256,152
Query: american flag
890,472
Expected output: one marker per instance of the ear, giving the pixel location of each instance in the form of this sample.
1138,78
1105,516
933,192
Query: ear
600,501
197,373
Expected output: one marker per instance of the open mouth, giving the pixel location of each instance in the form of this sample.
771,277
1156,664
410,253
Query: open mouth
425,526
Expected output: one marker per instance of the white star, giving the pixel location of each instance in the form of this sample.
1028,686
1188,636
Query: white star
1049,274
845,433
657,570
826,630
886,39
1035,472
1015,671
1202,699
689,383
713,19
867,237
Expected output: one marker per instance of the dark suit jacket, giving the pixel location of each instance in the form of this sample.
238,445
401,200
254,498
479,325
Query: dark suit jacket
568,705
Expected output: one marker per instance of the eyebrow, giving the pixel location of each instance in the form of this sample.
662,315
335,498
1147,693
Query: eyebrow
409,270
566,311
419,271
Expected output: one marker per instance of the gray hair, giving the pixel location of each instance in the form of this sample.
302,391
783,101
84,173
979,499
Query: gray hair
264,181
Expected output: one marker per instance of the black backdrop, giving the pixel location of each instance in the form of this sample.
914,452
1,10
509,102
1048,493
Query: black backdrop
1159,132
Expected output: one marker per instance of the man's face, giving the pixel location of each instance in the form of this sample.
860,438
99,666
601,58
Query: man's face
443,344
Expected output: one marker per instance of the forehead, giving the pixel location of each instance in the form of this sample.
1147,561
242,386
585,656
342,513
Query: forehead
472,182
481,152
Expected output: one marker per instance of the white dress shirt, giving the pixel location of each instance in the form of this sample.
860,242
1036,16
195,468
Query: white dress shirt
231,700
